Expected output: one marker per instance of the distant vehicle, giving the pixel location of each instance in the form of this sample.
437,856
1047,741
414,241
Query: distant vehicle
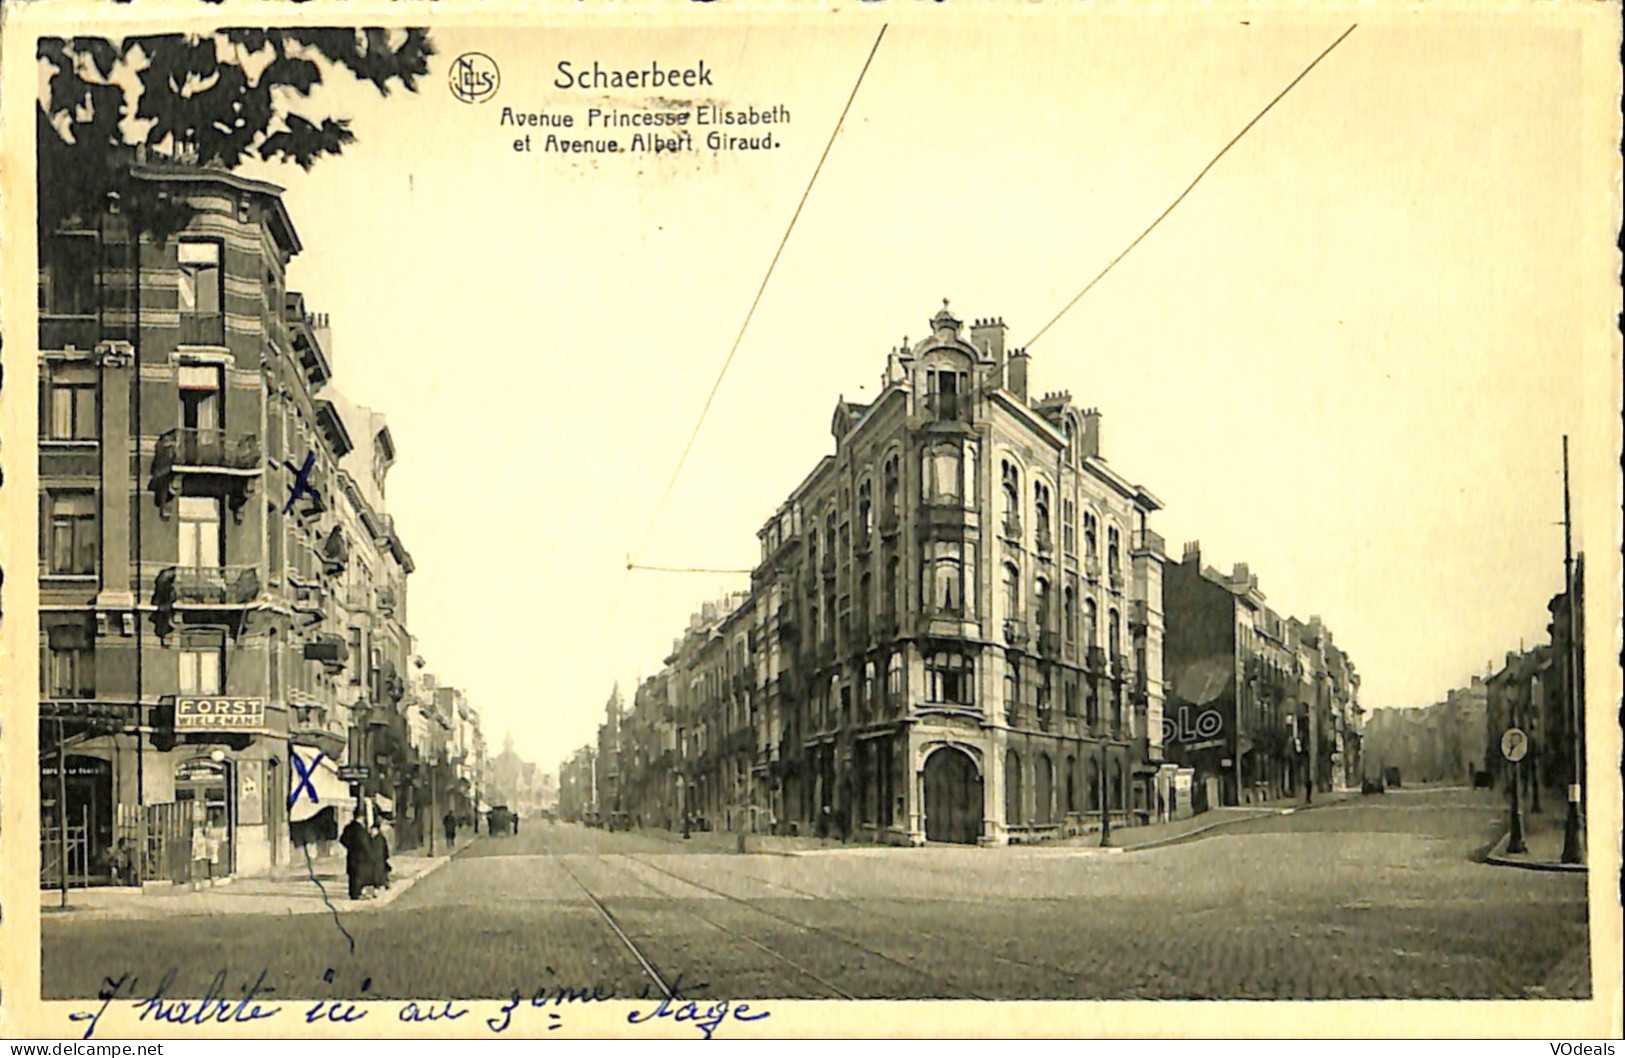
500,820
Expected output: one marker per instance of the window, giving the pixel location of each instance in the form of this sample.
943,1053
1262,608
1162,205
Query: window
866,514
894,680
73,403
942,576
939,482
1041,524
1090,535
1069,615
948,678
1114,645
1091,623
944,388
1041,604
892,586
73,532
891,486
200,400
867,697
203,667
1012,687
200,532
1069,528
355,655
200,292
1012,592
1069,693
68,264
1010,481
71,669
1112,539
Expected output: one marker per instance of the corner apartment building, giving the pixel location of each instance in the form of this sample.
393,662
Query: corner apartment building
196,628
1259,705
954,632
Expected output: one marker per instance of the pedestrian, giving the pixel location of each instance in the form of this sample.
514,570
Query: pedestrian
450,823
357,854
379,846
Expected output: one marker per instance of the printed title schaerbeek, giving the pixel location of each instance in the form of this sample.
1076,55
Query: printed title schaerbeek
654,76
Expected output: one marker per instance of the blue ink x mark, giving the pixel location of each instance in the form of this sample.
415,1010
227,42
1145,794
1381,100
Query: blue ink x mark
301,482
306,773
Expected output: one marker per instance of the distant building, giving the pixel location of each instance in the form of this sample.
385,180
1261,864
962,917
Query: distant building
1258,705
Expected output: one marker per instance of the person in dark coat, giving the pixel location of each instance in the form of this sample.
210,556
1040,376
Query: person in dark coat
380,856
357,855
450,823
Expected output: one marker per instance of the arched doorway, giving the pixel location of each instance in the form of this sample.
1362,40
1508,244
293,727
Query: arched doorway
953,797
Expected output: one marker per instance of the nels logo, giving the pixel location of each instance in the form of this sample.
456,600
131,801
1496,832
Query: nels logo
474,77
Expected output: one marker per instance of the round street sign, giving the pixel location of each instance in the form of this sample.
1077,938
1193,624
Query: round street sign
1514,744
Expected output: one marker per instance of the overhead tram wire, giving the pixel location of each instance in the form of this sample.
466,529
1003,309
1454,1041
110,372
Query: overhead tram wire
620,593
1192,185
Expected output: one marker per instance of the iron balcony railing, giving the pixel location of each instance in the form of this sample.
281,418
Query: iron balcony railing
1146,540
207,585
207,447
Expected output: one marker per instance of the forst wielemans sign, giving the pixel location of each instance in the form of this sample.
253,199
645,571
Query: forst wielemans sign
220,714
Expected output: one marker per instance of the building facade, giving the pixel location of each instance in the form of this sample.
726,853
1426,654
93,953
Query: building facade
1259,706
222,596
954,632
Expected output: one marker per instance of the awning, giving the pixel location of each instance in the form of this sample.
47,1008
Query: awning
313,783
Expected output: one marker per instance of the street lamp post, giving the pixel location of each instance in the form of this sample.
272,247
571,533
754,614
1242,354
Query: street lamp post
1105,802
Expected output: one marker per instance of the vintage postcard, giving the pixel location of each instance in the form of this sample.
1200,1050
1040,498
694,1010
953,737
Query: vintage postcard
714,521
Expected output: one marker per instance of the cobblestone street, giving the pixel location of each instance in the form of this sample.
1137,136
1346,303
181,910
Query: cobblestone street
1379,897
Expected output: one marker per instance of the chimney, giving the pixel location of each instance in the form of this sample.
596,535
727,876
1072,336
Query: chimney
1089,443
988,336
1193,553
1016,380
1239,574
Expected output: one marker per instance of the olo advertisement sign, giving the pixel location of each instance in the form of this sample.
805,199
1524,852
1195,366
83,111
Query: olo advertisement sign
1194,728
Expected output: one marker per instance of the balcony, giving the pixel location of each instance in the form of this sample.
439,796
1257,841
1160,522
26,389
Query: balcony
200,450
947,407
1114,581
1015,631
310,725
1091,568
1049,643
1117,664
886,627
1095,660
1043,541
1144,541
890,523
202,328
1011,529
1138,614
231,586
329,649
386,601
828,565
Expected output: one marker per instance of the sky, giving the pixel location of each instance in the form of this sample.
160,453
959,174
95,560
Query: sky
1347,358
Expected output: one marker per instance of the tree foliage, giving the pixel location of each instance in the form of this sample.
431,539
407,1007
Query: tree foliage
215,99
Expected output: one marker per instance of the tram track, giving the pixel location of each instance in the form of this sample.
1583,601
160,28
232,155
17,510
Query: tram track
604,912
806,927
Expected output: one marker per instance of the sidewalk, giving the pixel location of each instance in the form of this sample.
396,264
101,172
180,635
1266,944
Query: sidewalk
1155,835
298,892
1543,839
